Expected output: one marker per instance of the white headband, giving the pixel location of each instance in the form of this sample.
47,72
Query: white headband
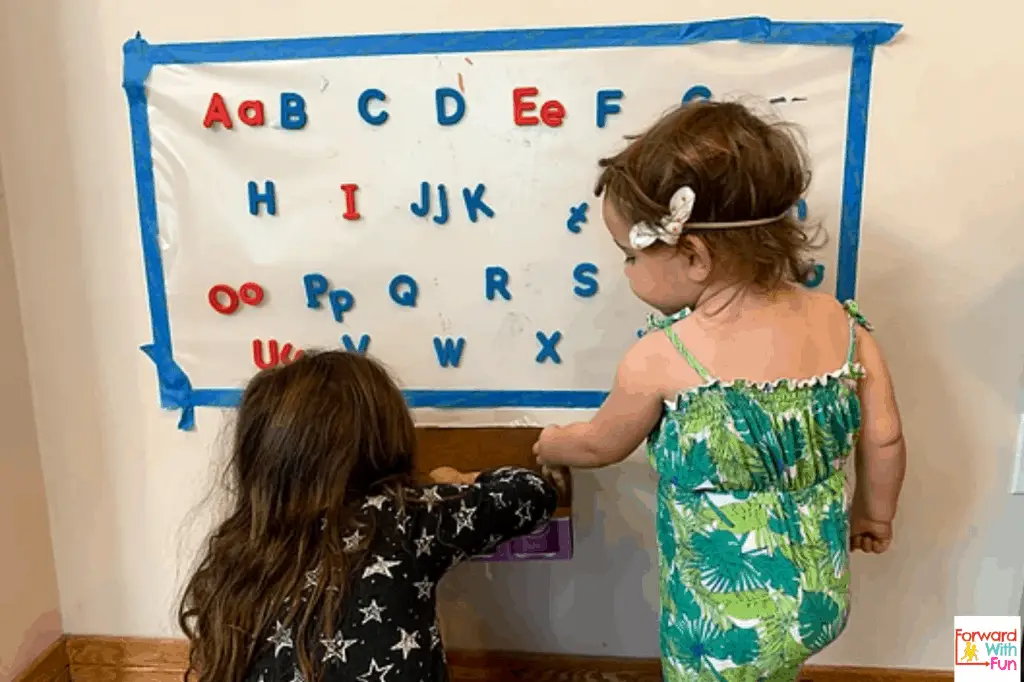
670,228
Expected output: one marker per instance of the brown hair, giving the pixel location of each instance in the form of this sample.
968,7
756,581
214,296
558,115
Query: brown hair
740,167
312,440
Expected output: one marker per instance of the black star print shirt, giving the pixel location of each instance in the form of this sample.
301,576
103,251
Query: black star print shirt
388,628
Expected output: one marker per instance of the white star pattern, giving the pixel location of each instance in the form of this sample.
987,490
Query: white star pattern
538,483
499,500
297,675
281,639
524,511
425,587
372,612
376,502
400,524
311,579
435,637
406,643
380,567
431,497
376,670
464,518
352,541
336,649
424,543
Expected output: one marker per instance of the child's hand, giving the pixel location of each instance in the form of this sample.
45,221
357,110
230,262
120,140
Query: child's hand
450,476
869,536
542,447
558,477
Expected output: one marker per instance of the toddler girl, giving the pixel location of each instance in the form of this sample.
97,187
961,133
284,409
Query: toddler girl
326,567
751,398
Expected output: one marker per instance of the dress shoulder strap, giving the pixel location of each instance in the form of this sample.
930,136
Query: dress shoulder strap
856,319
692,361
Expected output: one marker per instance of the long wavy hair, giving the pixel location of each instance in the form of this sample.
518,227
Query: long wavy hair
313,439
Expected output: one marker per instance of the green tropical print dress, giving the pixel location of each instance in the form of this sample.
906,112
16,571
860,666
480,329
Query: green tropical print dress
752,519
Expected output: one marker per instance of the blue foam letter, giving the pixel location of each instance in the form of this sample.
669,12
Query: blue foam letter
443,117
475,202
404,290
449,353
364,107
547,347
815,276
424,208
496,281
316,285
584,274
293,111
267,197
341,302
604,107
442,200
577,215
364,343
697,92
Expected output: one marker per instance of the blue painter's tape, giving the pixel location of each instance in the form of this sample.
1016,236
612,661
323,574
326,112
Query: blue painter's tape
175,388
446,399
140,56
746,29
853,170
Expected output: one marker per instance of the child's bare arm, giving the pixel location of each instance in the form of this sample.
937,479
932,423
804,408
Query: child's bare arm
619,427
881,457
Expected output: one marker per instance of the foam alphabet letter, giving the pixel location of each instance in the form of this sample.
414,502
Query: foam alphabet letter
266,197
423,208
577,215
552,112
496,281
519,107
475,202
316,285
547,347
364,107
293,111
364,343
605,106
342,301
217,112
404,291
442,200
697,92
449,353
350,201
250,112
584,273
442,96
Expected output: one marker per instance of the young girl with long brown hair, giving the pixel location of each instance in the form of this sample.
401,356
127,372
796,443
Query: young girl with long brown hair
327,565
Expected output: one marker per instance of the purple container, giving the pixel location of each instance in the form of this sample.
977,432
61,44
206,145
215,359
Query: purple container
552,542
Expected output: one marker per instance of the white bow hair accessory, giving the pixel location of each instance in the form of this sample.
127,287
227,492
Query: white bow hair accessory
670,228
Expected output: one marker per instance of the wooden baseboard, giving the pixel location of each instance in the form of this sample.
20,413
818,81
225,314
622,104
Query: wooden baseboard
130,659
51,666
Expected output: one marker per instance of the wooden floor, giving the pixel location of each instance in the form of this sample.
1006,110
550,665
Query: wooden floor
127,659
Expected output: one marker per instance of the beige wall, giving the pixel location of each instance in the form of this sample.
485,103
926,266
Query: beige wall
942,277
29,607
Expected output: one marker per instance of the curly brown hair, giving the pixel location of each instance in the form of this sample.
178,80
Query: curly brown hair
312,440
741,168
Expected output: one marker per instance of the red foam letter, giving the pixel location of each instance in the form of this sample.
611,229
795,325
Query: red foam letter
350,201
519,106
251,112
217,112
552,113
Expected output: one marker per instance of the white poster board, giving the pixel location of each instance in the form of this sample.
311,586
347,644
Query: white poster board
283,189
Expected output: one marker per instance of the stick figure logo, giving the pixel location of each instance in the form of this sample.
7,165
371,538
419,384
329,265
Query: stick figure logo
970,652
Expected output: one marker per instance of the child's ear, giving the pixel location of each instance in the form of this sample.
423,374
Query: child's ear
698,258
